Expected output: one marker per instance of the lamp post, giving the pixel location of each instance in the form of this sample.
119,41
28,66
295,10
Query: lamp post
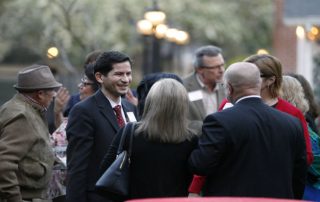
154,30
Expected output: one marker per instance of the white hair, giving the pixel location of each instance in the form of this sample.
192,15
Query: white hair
292,91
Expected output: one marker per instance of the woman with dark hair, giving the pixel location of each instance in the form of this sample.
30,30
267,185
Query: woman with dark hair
88,85
271,73
74,99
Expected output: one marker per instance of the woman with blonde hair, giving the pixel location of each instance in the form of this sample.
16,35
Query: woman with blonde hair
313,112
161,145
293,92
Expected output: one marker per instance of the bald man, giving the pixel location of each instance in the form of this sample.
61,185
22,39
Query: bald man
250,149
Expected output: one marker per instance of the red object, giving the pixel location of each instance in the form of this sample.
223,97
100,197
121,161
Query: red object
285,106
223,102
197,184
120,120
213,199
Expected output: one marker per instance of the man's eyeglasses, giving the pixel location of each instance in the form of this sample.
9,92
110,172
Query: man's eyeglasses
213,67
87,83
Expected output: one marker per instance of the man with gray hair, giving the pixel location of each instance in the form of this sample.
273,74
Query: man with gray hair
250,149
25,151
203,86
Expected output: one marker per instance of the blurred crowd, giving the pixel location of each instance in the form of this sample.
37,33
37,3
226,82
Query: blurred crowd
246,130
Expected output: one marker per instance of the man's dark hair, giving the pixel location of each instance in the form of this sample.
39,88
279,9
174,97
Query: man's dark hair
211,51
106,60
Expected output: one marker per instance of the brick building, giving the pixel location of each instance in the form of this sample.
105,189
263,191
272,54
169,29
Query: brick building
292,42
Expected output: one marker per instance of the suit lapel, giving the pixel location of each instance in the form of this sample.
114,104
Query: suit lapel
106,109
126,110
193,86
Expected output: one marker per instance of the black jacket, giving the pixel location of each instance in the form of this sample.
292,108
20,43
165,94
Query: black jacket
91,127
251,150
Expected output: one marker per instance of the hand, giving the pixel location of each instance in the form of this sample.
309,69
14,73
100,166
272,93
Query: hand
131,98
61,99
60,102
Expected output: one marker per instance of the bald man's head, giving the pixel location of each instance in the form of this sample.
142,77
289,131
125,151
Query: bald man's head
242,79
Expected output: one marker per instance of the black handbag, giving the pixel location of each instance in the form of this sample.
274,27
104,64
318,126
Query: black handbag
115,180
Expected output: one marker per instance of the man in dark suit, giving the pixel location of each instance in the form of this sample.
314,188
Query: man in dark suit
250,149
94,122
204,84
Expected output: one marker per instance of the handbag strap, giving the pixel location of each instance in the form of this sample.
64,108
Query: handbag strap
124,134
131,138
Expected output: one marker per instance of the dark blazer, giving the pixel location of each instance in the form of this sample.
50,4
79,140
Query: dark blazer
251,150
196,108
158,169
91,127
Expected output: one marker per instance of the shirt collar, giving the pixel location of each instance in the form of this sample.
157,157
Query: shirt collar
249,96
113,104
202,84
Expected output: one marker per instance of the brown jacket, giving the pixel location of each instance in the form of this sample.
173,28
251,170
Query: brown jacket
25,153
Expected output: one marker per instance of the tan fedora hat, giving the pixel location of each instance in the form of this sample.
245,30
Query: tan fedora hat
36,77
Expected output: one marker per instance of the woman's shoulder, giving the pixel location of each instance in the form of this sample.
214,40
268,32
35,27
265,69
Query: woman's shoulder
287,107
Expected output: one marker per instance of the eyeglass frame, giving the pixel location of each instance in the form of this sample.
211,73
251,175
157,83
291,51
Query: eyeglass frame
213,67
85,83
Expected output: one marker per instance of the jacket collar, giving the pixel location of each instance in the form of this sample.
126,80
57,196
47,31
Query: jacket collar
105,108
249,96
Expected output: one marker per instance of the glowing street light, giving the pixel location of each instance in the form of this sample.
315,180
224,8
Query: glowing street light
262,51
300,32
154,27
52,52
156,17
182,37
161,30
313,34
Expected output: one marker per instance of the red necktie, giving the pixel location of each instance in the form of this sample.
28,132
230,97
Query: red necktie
120,120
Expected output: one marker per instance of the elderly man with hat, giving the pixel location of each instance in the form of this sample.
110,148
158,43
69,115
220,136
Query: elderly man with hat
25,153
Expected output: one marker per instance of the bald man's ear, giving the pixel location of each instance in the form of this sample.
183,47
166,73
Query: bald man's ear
229,92
229,88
